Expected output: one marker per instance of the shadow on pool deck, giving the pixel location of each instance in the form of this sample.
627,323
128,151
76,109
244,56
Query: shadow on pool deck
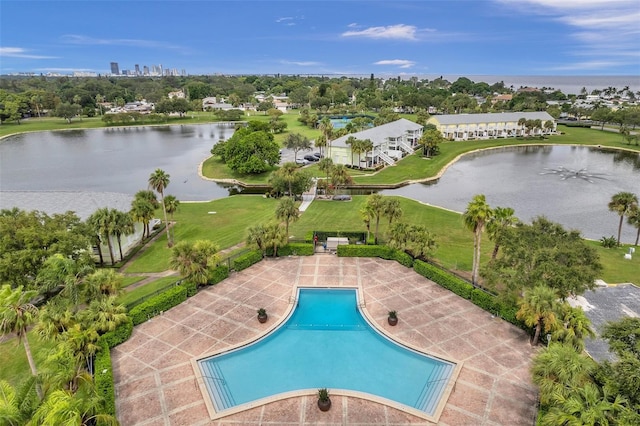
156,385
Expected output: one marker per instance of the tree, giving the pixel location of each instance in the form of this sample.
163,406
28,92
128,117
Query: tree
297,142
413,239
291,180
61,271
326,165
17,404
501,219
340,176
375,204
476,216
104,314
275,236
326,128
17,314
288,173
575,327
633,219
67,111
142,211
623,336
538,309
623,203
287,211
585,405
194,260
122,225
392,209
542,253
257,237
430,140
100,284
159,180
249,151
172,204
101,220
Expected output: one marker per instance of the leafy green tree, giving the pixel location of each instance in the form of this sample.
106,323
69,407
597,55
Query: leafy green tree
288,211
413,239
100,284
326,165
575,327
158,181
67,111
502,218
249,151
297,142
257,237
103,314
142,211
392,209
291,180
17,314
340,176
542,253
475,217
194,260
58,272
585,405
275,236
623,203
122,225
633,219
17,405
102,220
430,140
326,129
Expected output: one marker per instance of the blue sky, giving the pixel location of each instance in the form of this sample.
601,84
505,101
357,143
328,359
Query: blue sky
473,37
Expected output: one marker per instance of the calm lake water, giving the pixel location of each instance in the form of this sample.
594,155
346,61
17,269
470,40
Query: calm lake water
121,160
569,185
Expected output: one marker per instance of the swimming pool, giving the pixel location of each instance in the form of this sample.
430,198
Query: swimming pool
326,343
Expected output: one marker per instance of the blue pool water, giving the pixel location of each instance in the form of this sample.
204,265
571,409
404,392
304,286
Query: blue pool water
326,343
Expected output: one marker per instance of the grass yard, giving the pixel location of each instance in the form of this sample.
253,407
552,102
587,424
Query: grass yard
227,227
617,269
13,359
127,281
146,290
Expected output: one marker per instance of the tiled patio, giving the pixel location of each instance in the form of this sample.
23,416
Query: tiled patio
156,385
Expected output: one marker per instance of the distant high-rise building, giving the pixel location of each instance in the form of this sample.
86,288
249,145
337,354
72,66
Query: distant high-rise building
137,69
115,69
145,70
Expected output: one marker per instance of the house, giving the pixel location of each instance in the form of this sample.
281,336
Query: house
461,127
212,103
391,142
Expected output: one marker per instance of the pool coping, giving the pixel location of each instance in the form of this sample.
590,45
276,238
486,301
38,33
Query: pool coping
446,392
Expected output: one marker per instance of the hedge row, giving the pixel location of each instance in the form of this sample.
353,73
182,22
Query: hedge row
383,252
217,274
103,379
113,338
480,298
294,249
160,303
246,260
323,235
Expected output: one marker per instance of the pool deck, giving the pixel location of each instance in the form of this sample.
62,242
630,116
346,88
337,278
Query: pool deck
156,384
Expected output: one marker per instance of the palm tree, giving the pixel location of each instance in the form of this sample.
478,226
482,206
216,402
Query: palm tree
61,271
585,405
17,404
256,237
122,225
576,326
172,204
478,213
340,176
142,211
94,227
622,203
104,314
559,368
633,219
326,128
17,313
193,260
502,219
159,180
376,205
103,221
351,141
275,237
102,283
365,215
288,172
538,308
320,142
287,211
392,209
54,320
326,165
367,146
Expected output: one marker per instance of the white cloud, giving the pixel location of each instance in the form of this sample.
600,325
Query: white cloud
400,31
402,63
301,63
353,25
81,39
284,18
19,52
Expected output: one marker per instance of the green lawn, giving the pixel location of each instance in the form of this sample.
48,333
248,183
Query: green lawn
127,281
227,227
14,360
146,290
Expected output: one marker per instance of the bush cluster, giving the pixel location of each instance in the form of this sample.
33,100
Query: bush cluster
218,274
160,303
383,252
246,260
293,249
103,379
113,338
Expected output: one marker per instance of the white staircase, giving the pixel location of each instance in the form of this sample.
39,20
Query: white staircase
384,157
406,147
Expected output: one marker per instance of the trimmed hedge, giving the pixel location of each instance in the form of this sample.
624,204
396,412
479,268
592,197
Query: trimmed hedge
103,379
191,287
293,249
323,235
113,338
446,280
246,260
217,274
383,252
160,303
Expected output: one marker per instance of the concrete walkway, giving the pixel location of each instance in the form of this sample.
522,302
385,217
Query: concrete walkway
156,385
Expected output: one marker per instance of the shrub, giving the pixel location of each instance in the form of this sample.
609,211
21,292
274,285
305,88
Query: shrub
160,303
246,260
190,286
357,250
217,274
293,249
609,242
113,338
402,258
103,380
443,278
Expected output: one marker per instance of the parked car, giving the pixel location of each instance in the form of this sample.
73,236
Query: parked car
318,155
302,161
342,197
312,158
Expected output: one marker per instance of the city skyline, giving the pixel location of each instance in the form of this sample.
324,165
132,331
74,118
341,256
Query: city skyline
489,37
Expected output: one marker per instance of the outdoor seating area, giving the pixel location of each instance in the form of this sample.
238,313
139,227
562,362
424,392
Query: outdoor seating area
155,381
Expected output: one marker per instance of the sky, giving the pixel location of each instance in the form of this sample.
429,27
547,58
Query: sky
464,37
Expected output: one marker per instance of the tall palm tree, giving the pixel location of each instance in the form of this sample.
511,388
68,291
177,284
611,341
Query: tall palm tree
18,404
585,405
622,203
102,283
17,314
633,219
54,320
257,237
288,211
475,218
392,209
326,128
340,176
103,220
122,224
352,142
142,211
539,308
367,146
275,237
193,260
172,204
61,271
320,142
93,222
326,165
288,172
501,219
559,368
159,180
376,206
104,314
365,215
